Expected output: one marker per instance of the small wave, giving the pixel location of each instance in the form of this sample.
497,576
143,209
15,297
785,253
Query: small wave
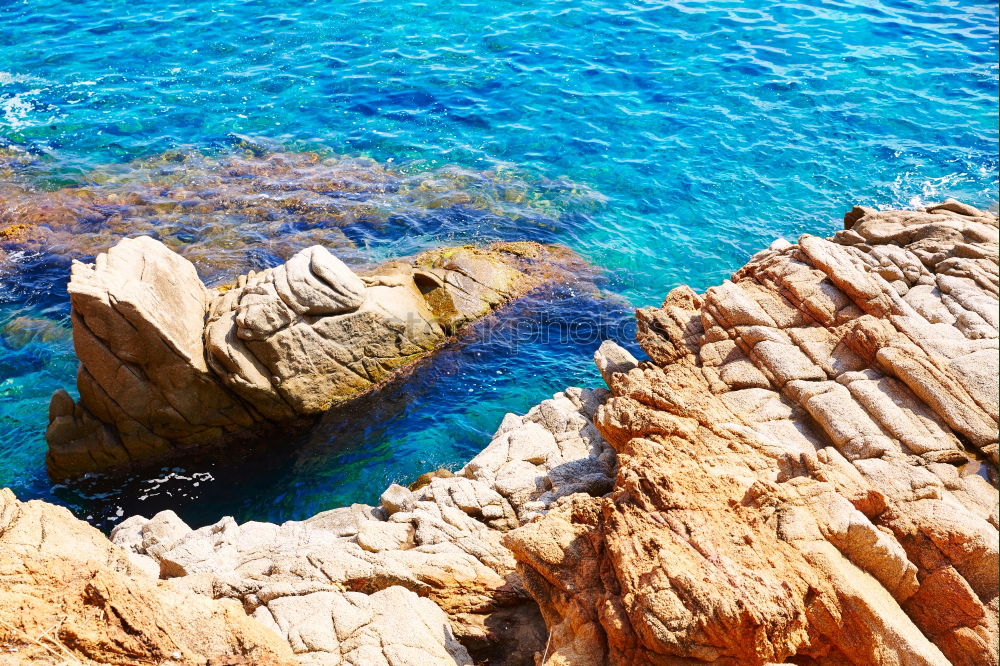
7,79
912,191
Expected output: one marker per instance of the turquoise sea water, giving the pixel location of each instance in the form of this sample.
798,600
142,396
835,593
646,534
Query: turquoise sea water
664,141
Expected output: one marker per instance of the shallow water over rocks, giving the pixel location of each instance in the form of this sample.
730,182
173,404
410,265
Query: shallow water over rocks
251,208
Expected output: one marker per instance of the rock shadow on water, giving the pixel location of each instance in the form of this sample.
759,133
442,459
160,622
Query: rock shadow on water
434,415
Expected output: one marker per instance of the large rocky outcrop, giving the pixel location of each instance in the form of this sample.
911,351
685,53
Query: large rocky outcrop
430,560
168,366
803,472
67,595
807,464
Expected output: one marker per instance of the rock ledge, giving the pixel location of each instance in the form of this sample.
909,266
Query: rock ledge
807,465
804,472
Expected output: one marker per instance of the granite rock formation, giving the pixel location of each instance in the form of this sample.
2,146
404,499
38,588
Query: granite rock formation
804,471
67,595
168,366
429,561
807,464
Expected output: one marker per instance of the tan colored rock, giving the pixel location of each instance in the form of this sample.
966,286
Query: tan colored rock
799,474
168,367
441,541
611,358
392,627
550,452
396,498
798,464
67,595
424,580
145,386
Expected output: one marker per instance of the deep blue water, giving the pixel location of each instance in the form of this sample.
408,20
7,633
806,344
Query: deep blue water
664,141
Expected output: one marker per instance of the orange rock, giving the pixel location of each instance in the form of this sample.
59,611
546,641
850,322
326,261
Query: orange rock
792,482
67,595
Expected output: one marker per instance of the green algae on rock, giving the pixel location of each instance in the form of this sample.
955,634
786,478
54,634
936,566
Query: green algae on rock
170,367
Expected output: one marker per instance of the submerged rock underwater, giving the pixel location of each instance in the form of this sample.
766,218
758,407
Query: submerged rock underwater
249,208
795,462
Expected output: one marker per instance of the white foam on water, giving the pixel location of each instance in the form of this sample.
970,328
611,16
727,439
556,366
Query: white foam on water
914,193
7,79
19,111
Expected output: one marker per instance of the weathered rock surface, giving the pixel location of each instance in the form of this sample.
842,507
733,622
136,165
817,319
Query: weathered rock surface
67,595
427,563
804,472
803,464
168,366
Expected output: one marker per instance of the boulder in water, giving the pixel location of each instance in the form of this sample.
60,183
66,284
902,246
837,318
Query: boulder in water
168,366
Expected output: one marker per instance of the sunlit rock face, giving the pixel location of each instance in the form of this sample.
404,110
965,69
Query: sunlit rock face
439,539
254,207
168,366
807,465
68,596
786,480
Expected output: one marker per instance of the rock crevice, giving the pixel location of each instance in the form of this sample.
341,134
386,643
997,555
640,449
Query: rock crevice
438,542
804,471
807,465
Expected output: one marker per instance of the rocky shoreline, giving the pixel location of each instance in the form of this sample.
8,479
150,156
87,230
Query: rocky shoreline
805,471
798,464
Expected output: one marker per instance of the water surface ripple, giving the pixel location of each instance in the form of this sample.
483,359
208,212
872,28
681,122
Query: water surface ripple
666,141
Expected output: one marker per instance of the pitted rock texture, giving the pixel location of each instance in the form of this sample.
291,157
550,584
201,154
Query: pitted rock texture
168,366
807,465
68,596
427,563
